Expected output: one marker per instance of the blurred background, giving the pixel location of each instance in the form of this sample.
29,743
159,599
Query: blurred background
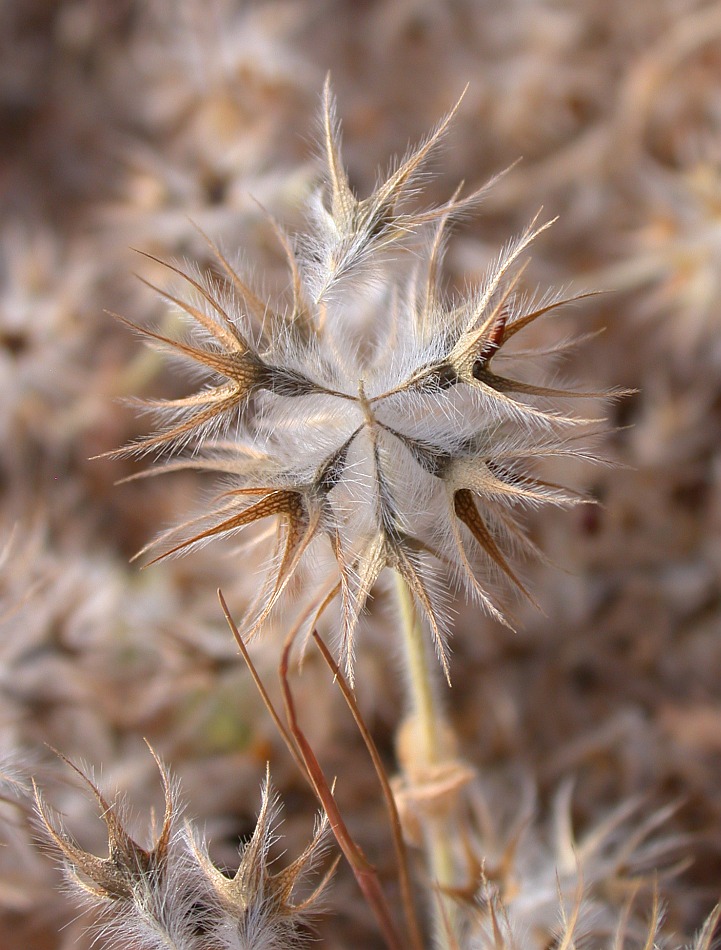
124,124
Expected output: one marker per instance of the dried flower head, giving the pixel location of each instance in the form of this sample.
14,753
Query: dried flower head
369,411
539,887
172,895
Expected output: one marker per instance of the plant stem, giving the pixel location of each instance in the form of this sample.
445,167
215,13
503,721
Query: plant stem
430,750
424,706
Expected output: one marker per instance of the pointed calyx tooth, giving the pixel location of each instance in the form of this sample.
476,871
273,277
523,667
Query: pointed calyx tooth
431,458
478,345
492,339
343,201
254,887
288,382
129,868
353,229
467,511
275,501
244,373
331,471
301,526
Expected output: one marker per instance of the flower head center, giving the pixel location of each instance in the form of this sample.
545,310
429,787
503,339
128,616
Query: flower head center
365,404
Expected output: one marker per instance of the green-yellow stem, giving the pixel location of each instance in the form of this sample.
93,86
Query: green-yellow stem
424,706
430,729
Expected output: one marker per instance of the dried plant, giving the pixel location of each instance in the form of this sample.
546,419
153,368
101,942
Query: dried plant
370,409
602,885
380,415
172,894
124,123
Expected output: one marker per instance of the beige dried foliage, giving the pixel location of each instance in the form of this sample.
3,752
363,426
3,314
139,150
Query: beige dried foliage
119,121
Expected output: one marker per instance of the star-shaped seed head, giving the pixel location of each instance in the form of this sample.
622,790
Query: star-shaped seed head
370,413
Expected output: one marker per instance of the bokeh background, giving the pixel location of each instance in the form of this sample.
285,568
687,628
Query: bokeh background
124,124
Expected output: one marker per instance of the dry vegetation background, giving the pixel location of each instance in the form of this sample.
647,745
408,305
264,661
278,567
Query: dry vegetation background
123,122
